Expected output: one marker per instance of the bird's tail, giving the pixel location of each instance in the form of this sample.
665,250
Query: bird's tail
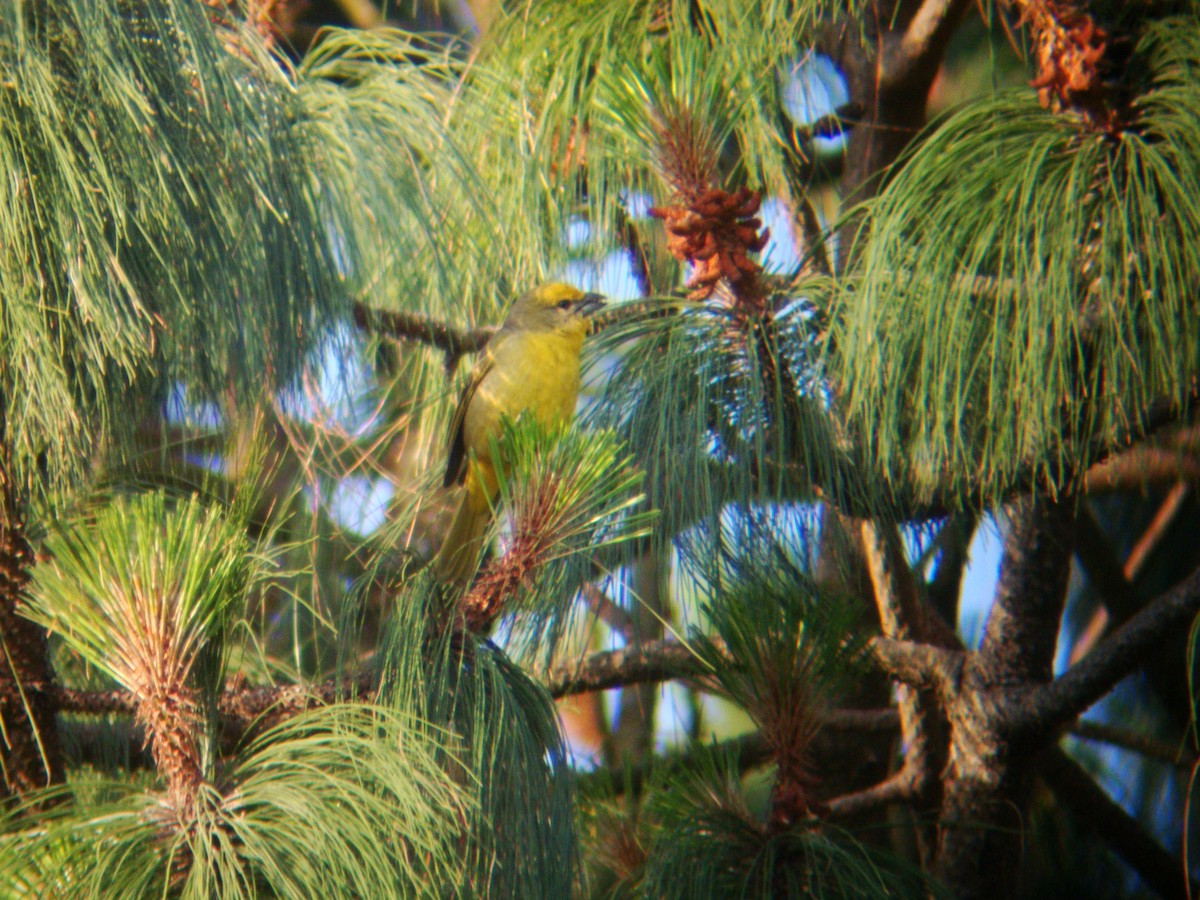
458,557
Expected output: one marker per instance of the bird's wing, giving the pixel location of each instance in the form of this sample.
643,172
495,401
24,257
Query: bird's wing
456,454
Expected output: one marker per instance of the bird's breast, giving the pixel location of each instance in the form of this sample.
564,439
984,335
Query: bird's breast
531,372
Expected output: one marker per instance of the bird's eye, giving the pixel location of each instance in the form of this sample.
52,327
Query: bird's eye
563,304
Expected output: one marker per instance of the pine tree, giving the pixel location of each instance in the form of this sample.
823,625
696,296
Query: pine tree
243,267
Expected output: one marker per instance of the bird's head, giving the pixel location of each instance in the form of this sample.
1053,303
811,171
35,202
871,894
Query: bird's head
553,307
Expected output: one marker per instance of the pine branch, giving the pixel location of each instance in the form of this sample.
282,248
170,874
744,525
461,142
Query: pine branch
1022,628
653,661
1123,834
917,664
610,613
921,48
1173,754
896,788
242,709
923,725
1049,707
1141,467
248,709
244,706
408,326
844,488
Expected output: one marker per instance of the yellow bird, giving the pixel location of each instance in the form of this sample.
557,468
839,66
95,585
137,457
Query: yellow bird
530,365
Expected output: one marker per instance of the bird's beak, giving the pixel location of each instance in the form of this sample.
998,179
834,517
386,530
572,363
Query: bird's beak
589,303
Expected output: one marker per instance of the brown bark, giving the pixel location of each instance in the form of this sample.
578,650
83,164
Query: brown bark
889,75
986,783
29,745
923,726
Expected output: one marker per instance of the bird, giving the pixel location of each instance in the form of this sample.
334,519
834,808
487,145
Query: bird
531,365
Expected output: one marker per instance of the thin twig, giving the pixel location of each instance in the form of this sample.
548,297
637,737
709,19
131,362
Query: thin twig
1172,754
815,248
611,614
832,124
1163,519
1115,582
635,249
1099,562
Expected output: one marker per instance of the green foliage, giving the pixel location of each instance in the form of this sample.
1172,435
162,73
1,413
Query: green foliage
144,588
376,104
339,802
780,646
709,843
563,100
670,107
509,755
1007,322
187,211
576,494
724,413
158,221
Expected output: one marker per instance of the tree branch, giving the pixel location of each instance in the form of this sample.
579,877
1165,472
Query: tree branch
1049,707
844,490
1123,834
1141,467
916,664
652,661
407,326
241,709
946,585
894,789
924,40
1173,754
1022,628
923,727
